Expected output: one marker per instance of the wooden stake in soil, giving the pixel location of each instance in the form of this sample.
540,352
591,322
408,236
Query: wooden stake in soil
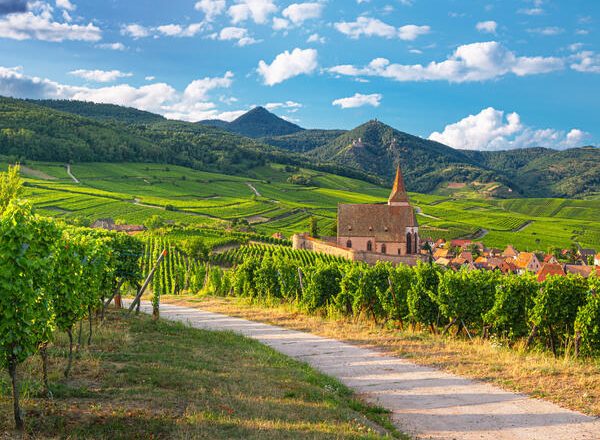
136,301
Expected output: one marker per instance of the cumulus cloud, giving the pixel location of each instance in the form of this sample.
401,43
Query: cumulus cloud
210,8
359,100
112,46
373,27
65,4
488,27
192,104
315,38
586,61
12,6
290,106
298,13
100,75
240,35
136,31
491,130
258,11
39,24
287,65
470,62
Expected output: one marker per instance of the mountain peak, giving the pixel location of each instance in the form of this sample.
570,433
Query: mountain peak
260,122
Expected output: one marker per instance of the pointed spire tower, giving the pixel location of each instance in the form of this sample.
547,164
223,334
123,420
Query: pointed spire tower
398,197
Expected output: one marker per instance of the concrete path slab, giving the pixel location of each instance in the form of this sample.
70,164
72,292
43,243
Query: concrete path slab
426,403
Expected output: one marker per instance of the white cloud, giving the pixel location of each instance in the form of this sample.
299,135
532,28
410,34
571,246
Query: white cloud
287,65
112,46
280,23
547,31
135,30
531,11
491,130
586,61
39,24
258,11
192,104
489,27
315,38
176,30
210,8
150,78
235,33
65,4
298,13
470,62
373,27
359,100
288,105
100,75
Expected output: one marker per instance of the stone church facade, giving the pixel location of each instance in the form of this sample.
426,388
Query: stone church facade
373,232
389,229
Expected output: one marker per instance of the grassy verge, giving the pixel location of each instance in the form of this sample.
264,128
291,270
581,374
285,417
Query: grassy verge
573,384
142,379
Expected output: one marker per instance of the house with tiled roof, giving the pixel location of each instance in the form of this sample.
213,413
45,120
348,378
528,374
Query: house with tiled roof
467,256
597,259
549,258
444,262
460,243
527,262
510,252
442,253
576,269
548,269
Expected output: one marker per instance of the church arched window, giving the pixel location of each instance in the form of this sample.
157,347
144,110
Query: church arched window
408,243
383,249
369,246
349,244
416,236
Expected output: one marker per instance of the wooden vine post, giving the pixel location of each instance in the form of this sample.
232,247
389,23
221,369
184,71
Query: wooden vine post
155,303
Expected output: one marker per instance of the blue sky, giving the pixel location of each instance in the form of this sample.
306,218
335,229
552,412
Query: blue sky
493,74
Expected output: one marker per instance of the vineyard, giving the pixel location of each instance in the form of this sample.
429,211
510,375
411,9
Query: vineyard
233,257
53,277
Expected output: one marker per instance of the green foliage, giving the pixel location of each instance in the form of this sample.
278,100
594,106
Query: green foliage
587,323
556,305
513,299
321,286
154,222
26,259
267,279
11,186
422,307
374,281
394,298
467,295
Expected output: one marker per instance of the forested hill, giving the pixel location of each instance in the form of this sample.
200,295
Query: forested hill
31,131
102,112
256,123
375,148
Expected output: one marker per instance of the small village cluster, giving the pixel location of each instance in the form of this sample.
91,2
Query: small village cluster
458,254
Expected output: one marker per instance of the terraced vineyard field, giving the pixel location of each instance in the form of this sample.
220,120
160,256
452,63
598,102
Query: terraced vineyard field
132,193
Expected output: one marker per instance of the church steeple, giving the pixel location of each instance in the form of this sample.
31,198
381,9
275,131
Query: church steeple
398,197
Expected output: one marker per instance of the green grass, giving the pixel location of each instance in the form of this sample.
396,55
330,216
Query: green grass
142,379
212,200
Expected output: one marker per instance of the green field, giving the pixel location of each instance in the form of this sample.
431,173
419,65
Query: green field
133,192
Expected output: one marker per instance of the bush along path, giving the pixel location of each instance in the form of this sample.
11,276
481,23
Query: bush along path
424,402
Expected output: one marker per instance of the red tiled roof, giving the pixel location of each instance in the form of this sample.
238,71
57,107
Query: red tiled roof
384,222
575,269
460,242
549,269
523,259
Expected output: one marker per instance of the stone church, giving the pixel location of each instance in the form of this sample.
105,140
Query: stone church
387,229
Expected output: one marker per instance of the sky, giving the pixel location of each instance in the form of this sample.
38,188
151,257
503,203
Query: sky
485,74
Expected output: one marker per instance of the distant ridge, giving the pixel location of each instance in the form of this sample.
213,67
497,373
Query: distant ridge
256,123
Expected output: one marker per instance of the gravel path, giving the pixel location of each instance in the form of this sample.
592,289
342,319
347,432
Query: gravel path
75,179
426,403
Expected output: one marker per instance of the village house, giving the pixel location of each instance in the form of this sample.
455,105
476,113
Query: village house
548,269
510,252
597,259
110,225
527,262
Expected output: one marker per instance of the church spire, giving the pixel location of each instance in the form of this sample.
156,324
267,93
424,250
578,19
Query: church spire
398,197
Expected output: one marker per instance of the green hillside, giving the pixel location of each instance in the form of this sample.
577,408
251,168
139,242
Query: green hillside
133,192
303,141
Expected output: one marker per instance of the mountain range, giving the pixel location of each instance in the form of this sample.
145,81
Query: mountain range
80,131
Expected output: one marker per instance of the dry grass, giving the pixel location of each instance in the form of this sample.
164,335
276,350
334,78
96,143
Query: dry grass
573,384
142,379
